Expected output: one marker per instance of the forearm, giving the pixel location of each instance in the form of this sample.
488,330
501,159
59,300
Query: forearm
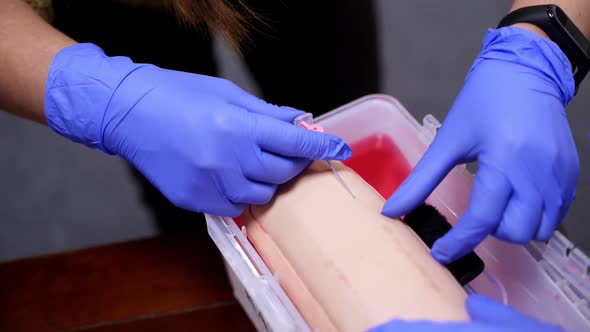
577,10
27,46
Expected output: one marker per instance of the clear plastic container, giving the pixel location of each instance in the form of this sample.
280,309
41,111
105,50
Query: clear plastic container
550,281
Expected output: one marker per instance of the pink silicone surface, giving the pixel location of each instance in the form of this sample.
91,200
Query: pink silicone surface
379,162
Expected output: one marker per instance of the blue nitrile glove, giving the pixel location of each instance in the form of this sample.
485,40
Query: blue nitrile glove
206,144
486,316
510,116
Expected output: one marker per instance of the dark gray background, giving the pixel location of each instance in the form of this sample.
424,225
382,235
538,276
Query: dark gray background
56,196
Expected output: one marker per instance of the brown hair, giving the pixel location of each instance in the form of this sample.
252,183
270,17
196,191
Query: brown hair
230,18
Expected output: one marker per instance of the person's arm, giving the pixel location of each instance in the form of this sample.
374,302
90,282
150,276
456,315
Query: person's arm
577,10
27,45
206,144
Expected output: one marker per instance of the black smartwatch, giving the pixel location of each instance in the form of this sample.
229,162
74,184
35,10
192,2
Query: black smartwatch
561,30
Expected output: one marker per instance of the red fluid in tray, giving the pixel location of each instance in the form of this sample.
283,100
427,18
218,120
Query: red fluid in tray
379,162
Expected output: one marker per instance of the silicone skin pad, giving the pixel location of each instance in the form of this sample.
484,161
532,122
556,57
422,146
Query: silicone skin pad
344,265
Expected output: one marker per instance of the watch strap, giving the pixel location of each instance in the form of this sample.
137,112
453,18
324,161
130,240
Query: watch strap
561,30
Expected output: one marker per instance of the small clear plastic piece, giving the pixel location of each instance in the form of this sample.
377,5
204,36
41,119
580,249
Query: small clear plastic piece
305,117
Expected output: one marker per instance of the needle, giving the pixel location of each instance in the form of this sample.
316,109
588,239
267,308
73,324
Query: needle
306,121
340,178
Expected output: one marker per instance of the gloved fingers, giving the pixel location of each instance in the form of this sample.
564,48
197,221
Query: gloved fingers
239,190
225,208
549,222
485,310
489,196
252,193
251,103
552,206
439,159
544,170
398,325
284,113
568,173
486,315
569,198
523,214
213,201
292,141
274,169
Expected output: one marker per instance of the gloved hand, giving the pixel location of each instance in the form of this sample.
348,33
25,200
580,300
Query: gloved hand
510,116
206,144
486,316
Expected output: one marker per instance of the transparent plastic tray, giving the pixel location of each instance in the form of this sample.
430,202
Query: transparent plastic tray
550,281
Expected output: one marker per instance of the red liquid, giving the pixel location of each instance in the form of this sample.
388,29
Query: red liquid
379,162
